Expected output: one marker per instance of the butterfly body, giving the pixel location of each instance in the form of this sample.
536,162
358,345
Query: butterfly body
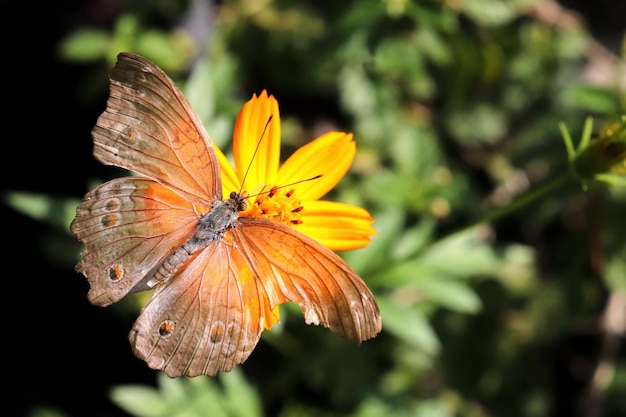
211,226
217,275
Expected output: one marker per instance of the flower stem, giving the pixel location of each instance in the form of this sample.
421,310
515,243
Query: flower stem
518,204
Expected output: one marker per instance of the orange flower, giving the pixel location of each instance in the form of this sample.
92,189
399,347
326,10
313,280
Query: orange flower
336,225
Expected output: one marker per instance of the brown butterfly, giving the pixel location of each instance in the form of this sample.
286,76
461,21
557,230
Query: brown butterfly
217,276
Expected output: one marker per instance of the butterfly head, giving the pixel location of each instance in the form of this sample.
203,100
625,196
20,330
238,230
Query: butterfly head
237,201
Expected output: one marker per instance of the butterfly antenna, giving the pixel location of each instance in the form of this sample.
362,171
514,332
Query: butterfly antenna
273,189
258,145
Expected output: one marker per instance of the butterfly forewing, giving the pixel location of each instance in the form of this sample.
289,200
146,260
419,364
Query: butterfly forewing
149,127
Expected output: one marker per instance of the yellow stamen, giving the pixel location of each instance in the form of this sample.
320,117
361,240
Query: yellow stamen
280,205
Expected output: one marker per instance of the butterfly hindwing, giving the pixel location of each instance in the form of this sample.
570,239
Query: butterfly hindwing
129,226
207,319
291,266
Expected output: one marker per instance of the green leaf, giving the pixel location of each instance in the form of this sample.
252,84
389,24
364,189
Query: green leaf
593,99
388,225
191,397
240,397
174,390
205,88
140,401
490,12
408,325
615,275
56,211
450,293
85,45
461,255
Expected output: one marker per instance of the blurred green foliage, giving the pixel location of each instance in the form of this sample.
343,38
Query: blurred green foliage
455,107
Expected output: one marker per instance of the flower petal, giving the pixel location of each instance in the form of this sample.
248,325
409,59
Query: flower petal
330,155
258,124
230,182
336,225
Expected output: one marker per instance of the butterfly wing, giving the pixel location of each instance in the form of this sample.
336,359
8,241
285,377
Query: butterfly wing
290,266
150,128
129,226
210,318
204,321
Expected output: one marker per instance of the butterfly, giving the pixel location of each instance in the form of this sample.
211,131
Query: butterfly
216,276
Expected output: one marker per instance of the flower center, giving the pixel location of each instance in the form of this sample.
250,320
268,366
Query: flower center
279,205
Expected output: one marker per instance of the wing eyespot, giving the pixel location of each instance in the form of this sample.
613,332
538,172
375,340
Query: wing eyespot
166,328
112,204
116,273
128,134
109,220
217,333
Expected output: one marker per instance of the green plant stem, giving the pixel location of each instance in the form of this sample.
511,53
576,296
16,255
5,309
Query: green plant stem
519,203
